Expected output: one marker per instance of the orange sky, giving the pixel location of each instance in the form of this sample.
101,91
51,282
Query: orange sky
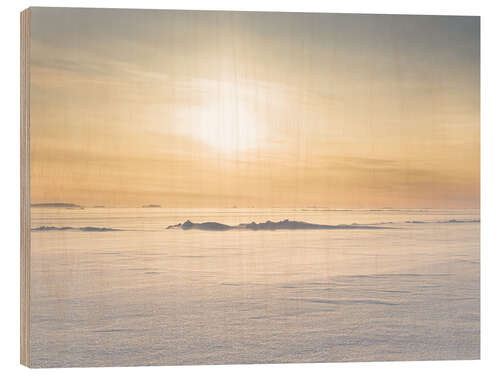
222,109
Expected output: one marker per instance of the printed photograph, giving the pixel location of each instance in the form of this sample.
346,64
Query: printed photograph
217,187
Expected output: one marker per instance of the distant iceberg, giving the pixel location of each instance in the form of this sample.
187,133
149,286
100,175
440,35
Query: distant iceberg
452,221
268,225
56,205
83,229
461,221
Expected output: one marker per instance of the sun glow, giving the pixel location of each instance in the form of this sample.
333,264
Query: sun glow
226,122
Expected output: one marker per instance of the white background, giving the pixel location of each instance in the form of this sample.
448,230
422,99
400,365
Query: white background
490,156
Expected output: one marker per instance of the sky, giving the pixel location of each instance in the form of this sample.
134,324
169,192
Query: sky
249,109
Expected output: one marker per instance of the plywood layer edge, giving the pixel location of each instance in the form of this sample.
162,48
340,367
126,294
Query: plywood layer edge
25,188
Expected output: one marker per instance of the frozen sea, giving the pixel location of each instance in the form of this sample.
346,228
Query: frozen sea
144,295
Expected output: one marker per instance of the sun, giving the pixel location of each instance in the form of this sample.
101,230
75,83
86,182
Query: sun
226,122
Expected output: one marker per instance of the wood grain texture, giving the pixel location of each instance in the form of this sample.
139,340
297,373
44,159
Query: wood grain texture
205,187
25,189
